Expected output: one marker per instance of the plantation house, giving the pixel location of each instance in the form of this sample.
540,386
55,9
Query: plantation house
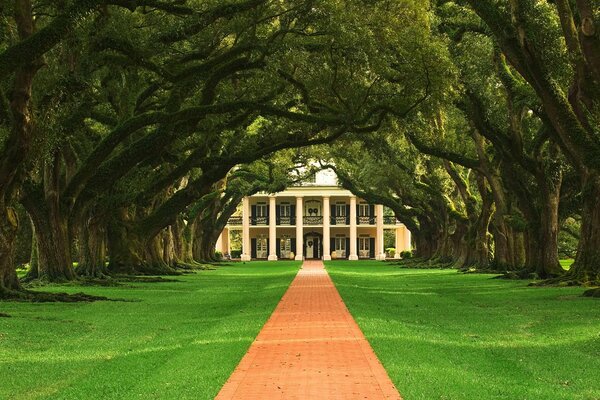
315,220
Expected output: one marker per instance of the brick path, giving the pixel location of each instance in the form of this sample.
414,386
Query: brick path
310,348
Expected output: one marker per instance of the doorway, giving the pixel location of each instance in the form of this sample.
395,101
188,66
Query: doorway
312,246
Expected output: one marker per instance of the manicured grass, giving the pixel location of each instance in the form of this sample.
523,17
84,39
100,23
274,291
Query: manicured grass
175,340
445,335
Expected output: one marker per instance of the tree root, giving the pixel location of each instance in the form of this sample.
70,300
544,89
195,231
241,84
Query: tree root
570,280
523,274
45,297
143,279
483,271
425,263
592,293
194,266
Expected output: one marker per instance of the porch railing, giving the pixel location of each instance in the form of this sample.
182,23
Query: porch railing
286,221
365,220
259,220
235,221
313,220
340,220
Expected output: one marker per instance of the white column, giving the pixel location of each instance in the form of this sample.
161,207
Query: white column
353,235
326,232
246,251
407,240
399,241
379,242
272,229
299,229
219,244
227,237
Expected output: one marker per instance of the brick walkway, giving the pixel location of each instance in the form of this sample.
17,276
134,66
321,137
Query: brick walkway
310,348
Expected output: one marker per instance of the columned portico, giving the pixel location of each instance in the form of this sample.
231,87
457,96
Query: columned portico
326,229
272,229
353,252
299,229
313,220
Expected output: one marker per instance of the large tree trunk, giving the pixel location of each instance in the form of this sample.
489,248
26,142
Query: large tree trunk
92,248
542,243
53,243
586,268
9,225
204,242
15,150
462,246
509,253
132,253
52,233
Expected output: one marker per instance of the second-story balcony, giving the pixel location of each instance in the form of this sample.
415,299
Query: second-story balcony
235,221
365,220
340,220
259,220
286,221
313,220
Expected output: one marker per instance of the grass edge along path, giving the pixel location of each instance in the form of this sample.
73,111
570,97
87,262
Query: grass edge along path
445,335
172,340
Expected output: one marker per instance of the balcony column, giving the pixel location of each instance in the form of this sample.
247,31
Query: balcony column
299,229
353,234
272,229
246,251
326,232
379,242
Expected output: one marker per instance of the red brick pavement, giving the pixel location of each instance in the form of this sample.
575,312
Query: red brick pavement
310,348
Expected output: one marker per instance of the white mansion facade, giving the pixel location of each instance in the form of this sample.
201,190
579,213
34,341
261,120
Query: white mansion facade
317,220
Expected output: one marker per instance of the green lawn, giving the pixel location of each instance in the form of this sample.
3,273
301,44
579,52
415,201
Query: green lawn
445,335
566,263
176,340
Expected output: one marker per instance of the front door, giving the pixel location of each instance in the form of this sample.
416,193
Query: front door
310,247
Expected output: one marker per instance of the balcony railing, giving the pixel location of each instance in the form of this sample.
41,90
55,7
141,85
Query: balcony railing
365,220
340,220
235,221
286,221
389,220
259,220
312,220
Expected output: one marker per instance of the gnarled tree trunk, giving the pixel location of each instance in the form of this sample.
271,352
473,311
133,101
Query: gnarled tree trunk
542,237
92,248
586,268
132,253
9,225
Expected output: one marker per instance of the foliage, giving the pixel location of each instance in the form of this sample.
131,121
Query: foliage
406,254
